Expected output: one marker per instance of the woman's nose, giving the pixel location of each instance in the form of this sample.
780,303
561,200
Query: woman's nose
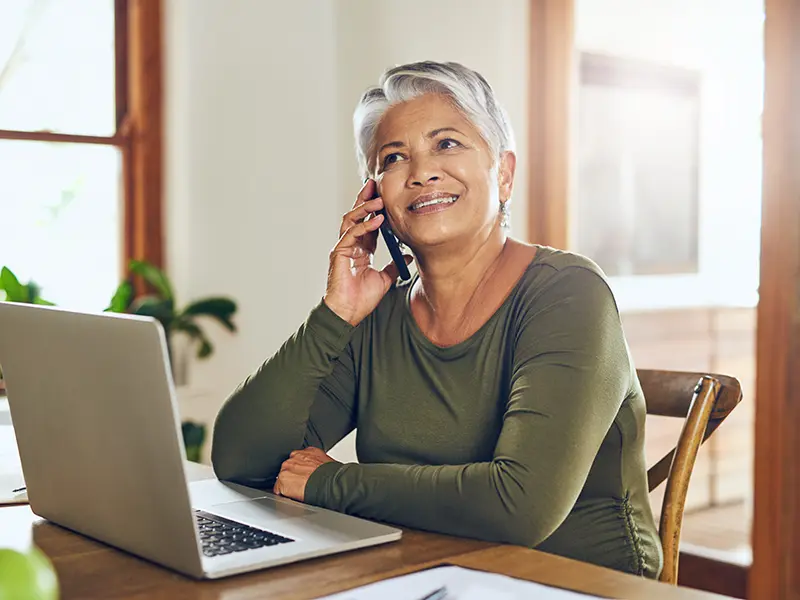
424,171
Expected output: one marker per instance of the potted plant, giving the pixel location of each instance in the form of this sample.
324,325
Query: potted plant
13,291
176,320
160,303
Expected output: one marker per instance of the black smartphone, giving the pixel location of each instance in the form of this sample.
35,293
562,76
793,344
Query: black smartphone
392,243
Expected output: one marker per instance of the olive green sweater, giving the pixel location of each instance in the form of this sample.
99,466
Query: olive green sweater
529,432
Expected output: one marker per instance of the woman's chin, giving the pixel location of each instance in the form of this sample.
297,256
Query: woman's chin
428,238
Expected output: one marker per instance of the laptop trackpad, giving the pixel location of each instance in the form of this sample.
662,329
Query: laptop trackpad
260,509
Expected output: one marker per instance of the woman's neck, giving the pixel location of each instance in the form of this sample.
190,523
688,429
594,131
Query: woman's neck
450,282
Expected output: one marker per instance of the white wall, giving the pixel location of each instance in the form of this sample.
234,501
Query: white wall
259,152
251,200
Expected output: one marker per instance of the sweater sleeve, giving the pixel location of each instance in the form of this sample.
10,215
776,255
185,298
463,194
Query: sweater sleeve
569,376
302,396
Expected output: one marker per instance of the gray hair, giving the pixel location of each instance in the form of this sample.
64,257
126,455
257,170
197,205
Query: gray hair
466,89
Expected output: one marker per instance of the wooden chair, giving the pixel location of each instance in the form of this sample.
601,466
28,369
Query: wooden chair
703,400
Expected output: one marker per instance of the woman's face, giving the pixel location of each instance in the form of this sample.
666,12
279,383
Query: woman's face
436,175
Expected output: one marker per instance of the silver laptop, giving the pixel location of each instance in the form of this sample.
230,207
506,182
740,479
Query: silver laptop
94,412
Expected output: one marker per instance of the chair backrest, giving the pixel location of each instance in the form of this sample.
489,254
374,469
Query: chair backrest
703,400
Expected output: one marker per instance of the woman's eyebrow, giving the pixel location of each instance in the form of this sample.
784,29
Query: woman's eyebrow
436,132
391,145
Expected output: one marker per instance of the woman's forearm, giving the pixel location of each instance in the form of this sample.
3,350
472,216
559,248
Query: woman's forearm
266,417
490,501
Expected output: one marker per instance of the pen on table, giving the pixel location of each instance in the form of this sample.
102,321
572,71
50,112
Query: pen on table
18,490
437,594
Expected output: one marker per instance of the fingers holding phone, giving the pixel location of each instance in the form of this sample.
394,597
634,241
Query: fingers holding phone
354,286
367,202
399,265
401,261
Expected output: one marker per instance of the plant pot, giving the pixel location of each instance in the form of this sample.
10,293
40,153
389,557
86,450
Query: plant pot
179,352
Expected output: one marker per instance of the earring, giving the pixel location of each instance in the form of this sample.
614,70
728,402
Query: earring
505,214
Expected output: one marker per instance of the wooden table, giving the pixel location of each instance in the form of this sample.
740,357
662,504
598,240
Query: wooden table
87,569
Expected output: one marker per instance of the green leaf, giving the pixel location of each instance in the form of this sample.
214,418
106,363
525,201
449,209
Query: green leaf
153,306
43,302
188,327
154,276
33,292
193,453
15,291
121,301
221,309
206,349
194,435
193,331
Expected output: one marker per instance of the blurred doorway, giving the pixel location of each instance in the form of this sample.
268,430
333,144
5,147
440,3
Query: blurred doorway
659,180
665,164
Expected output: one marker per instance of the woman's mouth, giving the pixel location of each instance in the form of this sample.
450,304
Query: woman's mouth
431,204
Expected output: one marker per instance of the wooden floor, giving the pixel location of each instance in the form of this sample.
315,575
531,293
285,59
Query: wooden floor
723,530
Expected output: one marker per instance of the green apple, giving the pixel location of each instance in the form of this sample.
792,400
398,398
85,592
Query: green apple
27,575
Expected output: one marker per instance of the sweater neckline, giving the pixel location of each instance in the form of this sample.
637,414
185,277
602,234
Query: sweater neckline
463,346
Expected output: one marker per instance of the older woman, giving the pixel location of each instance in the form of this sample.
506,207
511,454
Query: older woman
493,393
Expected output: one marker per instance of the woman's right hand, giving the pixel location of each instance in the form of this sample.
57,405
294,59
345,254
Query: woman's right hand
354,287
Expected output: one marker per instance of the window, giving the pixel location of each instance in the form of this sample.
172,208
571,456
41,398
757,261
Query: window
79,143
667,166
637,190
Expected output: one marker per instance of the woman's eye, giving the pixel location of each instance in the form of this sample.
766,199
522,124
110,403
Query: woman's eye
390,159
448,143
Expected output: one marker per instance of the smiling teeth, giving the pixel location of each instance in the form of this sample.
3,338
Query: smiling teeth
448,200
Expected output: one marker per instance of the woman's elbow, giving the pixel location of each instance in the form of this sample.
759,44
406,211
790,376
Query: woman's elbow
524,530
227,455
225,467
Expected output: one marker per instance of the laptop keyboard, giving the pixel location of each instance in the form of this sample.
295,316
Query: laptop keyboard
223,536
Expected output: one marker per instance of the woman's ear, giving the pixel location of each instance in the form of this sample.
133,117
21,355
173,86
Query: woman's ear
505,174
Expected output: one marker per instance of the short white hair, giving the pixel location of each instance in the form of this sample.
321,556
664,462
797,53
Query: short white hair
469,92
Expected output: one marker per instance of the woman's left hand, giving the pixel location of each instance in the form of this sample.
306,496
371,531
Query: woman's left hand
296,470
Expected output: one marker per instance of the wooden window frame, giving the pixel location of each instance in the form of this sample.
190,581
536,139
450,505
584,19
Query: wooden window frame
139,127
551,75
776,510
142,127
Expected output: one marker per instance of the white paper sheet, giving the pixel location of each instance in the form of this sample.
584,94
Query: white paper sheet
461,584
